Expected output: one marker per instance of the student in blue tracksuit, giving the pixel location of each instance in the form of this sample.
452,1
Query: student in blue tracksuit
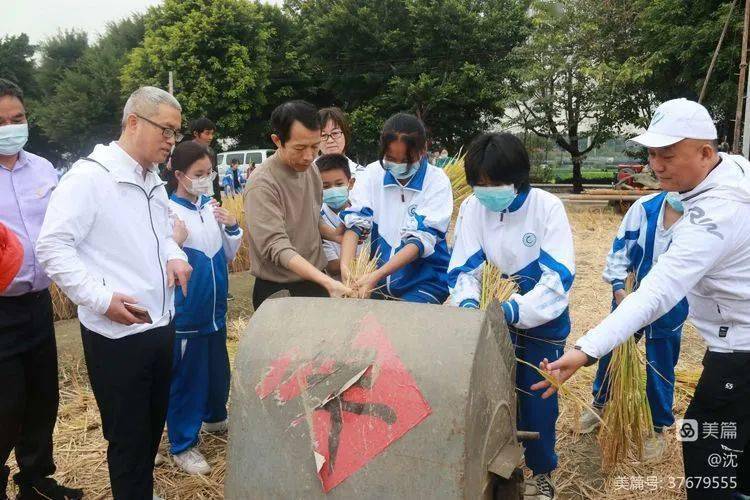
200,373
525,233
405,204
644,235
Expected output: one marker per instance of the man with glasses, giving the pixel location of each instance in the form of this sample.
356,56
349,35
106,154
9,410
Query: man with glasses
107,243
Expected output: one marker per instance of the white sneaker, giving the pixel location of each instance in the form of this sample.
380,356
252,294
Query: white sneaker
539,487
192,462
654,447
156,497
216,427
590,420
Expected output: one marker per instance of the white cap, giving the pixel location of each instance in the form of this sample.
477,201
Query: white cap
676,120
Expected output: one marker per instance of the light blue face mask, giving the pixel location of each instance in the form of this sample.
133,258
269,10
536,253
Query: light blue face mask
336,197
495,198
675,202
13,138
401,171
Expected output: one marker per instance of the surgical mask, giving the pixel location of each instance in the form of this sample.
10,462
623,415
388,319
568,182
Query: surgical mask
675,202
336,197
13,138
202,185
495,198
401,171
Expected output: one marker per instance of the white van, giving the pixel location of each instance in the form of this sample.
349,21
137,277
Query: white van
245,158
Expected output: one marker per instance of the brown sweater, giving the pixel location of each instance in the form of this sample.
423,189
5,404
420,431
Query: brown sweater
282,210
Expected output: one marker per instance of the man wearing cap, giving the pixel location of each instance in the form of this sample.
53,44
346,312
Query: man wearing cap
709,262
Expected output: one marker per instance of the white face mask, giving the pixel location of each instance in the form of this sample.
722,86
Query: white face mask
202,185
13,138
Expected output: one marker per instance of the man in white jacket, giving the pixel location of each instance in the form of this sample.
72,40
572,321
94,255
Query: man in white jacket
709,262
107,243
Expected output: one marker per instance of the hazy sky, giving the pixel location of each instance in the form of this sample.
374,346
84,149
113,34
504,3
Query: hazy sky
42,18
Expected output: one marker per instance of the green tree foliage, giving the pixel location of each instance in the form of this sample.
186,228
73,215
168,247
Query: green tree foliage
220,55
16,63
576,76
678,38
59,53
85,107
444,60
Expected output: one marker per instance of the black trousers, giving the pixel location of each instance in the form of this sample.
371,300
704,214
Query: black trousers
264,289
718,461
28,373
130,378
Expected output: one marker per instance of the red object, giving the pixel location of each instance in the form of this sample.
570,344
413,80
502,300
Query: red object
11,256
625,172
353,428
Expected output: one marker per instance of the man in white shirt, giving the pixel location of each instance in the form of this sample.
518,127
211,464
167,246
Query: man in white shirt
107,243
709,262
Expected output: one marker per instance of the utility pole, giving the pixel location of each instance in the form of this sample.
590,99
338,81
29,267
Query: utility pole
171,81
736,147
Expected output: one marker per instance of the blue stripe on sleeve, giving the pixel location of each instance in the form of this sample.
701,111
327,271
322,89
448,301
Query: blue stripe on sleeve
516,316
469,303
619,243
471,264
566,277
415,241
507,312
364,212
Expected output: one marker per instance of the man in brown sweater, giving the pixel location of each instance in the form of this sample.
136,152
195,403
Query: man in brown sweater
282,207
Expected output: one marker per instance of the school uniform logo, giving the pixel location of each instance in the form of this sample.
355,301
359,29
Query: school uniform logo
412,210
529,239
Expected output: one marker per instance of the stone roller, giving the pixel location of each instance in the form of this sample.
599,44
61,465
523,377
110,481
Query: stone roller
344,398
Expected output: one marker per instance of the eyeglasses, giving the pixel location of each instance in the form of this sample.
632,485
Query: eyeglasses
165,131
335,135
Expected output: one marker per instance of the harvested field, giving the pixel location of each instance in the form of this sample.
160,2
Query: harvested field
80,450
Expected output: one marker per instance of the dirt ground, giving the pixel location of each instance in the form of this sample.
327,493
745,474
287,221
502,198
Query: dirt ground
80,450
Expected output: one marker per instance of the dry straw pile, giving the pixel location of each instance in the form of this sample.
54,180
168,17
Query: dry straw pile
455,172
235,206
62,306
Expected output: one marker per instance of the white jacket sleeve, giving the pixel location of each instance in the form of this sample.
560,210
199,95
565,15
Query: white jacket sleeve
358,217
618,260
231,240
700,240
467,262
432,217
70,214
549,297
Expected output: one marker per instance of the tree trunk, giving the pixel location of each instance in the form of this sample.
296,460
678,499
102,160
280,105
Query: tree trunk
577,178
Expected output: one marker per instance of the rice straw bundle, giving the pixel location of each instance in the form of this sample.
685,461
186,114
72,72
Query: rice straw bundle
62,306
362,265
456,174
495,286
627,415
687,380
235,206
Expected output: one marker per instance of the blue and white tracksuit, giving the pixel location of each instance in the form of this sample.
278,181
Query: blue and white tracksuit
397,215
200,368
532,242
640,241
